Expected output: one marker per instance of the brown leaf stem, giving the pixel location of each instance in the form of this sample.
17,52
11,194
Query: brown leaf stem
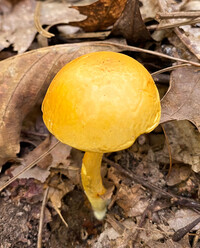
170,68
38,25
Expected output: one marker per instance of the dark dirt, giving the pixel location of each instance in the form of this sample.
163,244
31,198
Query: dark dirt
19,224
82,225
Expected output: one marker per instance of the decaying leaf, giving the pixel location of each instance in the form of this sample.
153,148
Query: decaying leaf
181,102
100,15
23,82
131,200
130,24
192,5
106,237
56,194
59,155
187,34
182,218
149,9
17,26
180,49
178,174
190,36
184,141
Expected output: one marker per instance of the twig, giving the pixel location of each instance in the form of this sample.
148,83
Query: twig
59,213
170,68
39,241
173,15
137,49
28,167
178,24
87,35
37,22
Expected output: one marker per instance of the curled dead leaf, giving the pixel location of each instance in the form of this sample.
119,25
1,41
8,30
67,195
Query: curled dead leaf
56,194
130,24
100,15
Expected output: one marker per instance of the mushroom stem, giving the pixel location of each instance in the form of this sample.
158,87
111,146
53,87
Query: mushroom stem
92,182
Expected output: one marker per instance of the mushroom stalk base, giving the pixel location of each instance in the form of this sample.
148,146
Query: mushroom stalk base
92,182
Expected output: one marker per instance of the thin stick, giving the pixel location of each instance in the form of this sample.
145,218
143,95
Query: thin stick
170,68
182,14
101,35
42,212
38,25
137,49
173,25
28,167
59,213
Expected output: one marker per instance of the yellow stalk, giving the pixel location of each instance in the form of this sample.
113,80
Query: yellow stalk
92,182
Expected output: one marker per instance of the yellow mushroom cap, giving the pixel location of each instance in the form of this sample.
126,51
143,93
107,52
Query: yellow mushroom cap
101,102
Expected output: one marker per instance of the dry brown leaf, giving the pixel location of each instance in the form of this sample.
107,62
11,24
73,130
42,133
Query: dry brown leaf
190,36
178,174
149,9
132,200
192,5
17,26
56,194
130,24
59,155
179,49
100,15
184,141
170,5
181,101
182,218
23,82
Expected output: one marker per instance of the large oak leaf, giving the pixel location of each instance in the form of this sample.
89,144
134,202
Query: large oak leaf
24,80
181,102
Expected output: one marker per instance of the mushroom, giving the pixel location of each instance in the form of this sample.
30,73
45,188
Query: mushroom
99,103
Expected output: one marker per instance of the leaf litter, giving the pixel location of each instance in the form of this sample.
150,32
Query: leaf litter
149,205
17,26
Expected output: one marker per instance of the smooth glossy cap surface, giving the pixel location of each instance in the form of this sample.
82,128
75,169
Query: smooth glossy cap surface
101,102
